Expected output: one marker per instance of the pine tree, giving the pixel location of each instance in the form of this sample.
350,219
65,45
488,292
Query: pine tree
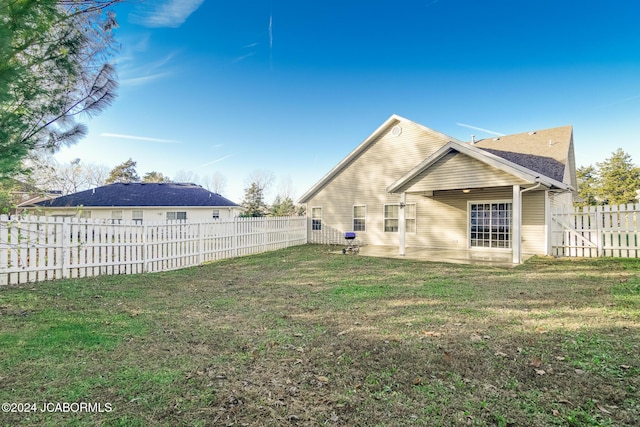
125,172
155,177
619,179
283,207
253,201
587,185
53,67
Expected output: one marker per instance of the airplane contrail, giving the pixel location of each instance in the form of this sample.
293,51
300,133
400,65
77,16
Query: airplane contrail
271,41
215,161
141,138
480,129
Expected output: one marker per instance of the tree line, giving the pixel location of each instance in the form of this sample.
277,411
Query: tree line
47,175
614,181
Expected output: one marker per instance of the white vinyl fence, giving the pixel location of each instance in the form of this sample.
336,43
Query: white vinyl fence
35,249
596,231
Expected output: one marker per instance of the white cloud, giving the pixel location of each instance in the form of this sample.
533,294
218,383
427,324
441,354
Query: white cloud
138,81
140,138
146,73
168,13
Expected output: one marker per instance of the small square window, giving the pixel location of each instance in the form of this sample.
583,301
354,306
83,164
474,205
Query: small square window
116,217
136,216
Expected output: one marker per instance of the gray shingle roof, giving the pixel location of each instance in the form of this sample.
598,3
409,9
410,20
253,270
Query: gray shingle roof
545,151
141,194
545,165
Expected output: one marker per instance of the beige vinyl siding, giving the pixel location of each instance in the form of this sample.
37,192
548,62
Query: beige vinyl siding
457,170
149,214
443,220
366,178
534,230
563,200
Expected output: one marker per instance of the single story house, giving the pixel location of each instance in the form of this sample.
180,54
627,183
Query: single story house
409,186
24,194
142,201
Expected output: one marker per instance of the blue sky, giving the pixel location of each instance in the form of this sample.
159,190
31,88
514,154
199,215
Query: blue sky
291,87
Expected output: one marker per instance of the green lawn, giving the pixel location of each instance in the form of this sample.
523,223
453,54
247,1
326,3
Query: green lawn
305,336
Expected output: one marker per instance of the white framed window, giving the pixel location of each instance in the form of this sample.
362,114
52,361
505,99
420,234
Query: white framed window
116,217
359,218
316,218
172,216
137,216
392,217
216,214
490,224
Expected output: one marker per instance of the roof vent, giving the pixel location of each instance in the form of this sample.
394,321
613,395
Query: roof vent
532,133
473,139
496,139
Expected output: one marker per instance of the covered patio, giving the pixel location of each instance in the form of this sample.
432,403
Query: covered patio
475,257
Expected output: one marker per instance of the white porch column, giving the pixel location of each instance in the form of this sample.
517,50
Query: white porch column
516,225
547,222
401,224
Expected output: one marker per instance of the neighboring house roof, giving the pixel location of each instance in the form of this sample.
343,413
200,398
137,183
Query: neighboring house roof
25,194
141,195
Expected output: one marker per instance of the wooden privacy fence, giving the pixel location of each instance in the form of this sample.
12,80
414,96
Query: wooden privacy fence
596,231
35,249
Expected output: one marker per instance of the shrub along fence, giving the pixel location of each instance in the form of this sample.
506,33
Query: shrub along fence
35,249
596,231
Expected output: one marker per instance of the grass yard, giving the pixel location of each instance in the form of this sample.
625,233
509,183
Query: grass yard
304,336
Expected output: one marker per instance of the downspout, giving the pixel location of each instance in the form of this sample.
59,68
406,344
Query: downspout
402,228
517,257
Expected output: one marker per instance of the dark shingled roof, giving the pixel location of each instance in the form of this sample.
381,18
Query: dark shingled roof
545,165
141,194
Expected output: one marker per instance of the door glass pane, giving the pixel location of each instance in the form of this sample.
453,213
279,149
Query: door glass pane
490,225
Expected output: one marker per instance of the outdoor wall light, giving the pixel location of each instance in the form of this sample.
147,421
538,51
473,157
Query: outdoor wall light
466,190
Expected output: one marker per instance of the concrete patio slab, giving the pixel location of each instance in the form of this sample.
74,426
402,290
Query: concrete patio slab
477,257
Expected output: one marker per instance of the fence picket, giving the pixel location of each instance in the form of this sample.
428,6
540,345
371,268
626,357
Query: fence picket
597,231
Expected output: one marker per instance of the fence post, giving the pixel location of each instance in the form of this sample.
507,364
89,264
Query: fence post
265,221
65,249
145,248
234,240
599,237
4,250
199,227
